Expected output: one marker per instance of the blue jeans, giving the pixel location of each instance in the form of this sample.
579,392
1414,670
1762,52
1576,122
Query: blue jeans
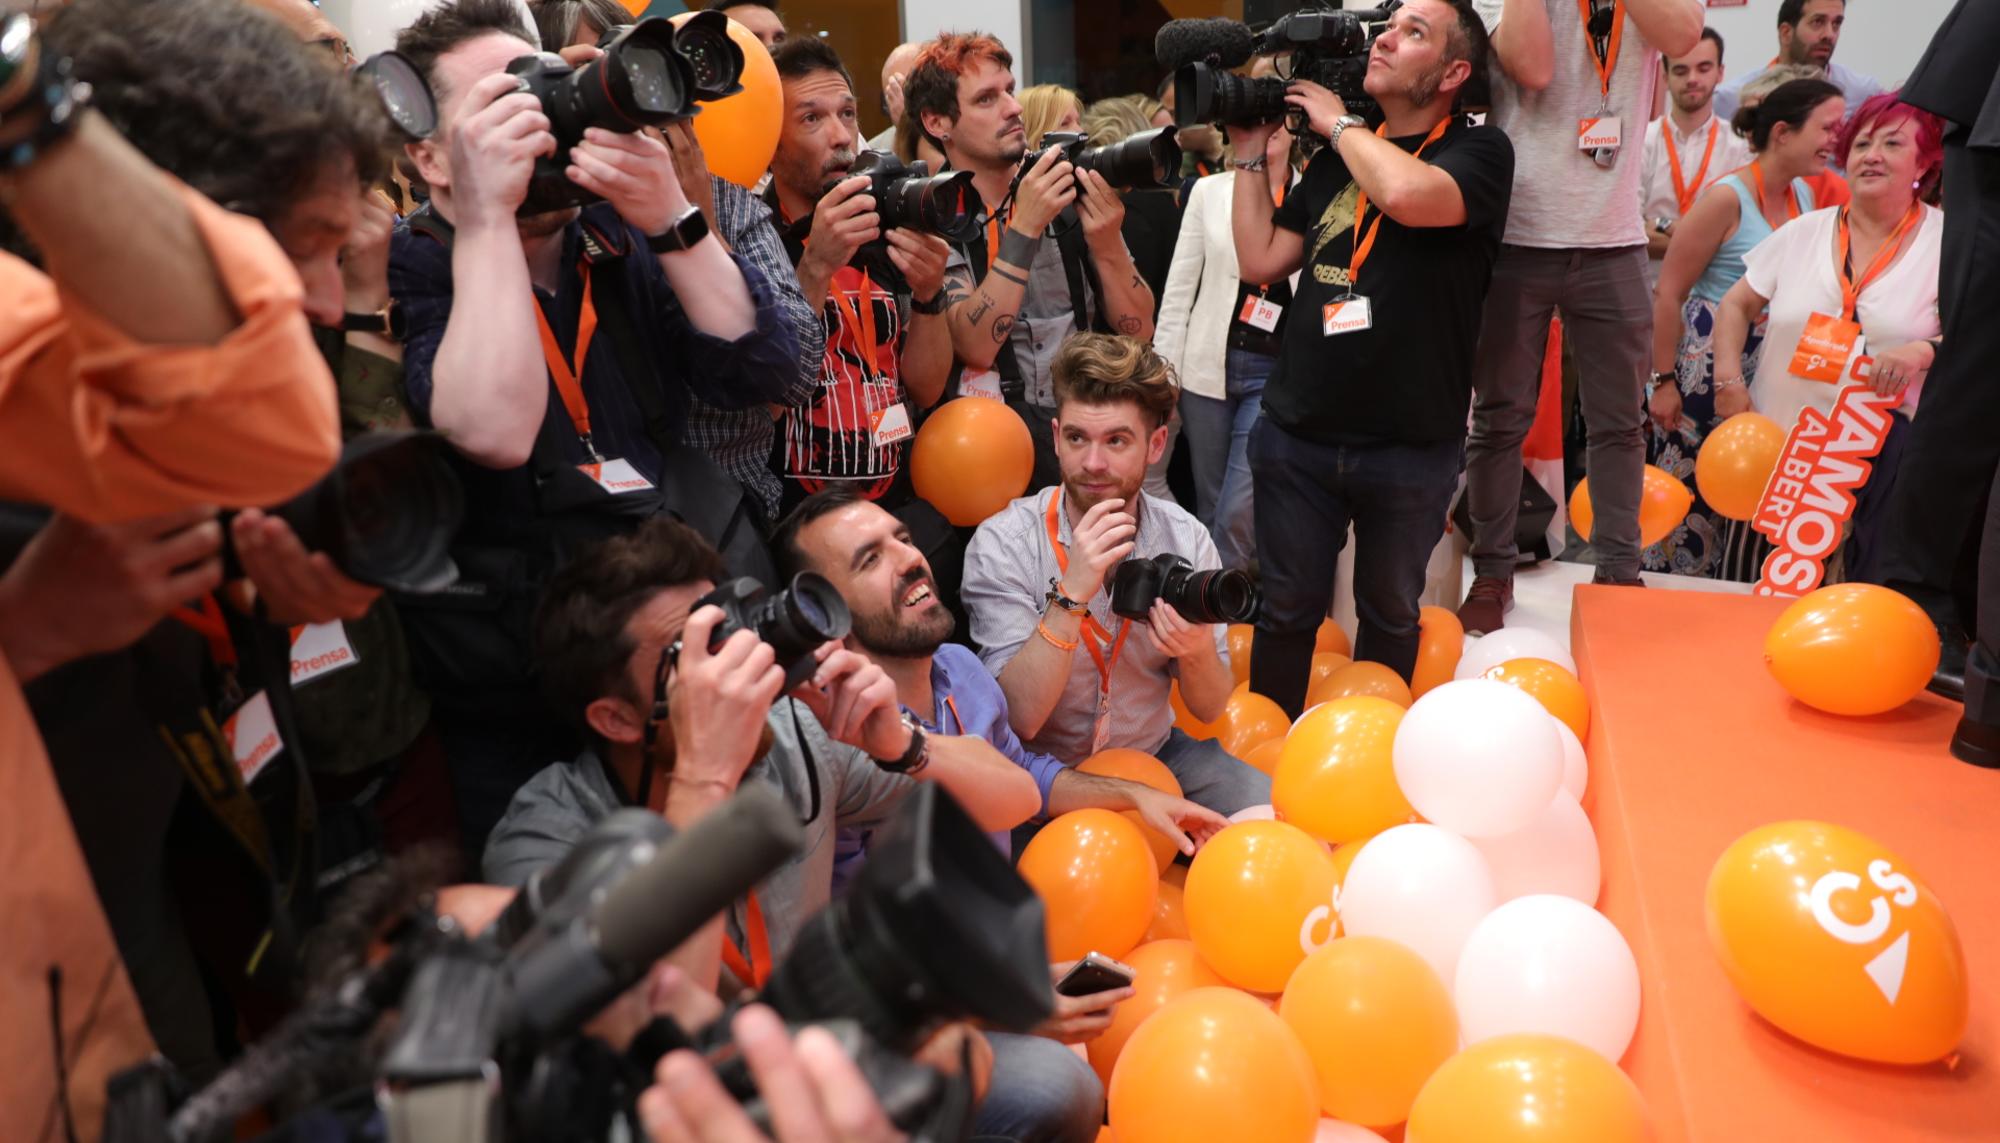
1395,495
1218,437
1042,1092
1211,776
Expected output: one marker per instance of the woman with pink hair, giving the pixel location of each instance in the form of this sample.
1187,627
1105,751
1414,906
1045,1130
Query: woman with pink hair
1862,277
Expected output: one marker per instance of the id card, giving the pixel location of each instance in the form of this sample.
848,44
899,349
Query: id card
1348,315
253,736
890,425
1260,313
982,384
1605,132
320,649
616,476
1825,347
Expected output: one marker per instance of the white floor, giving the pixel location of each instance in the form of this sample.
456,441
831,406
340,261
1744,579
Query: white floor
1543,593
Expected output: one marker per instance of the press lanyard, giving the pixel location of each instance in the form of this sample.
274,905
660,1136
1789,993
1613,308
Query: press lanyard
1094,630
205,618
1003,215
957,719
755,969
1365,245
564,372
1683,193
1850,290
1791,194
1607,62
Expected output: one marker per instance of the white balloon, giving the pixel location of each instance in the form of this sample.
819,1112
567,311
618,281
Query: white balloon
1478,757
1421,886
1488,651
1576,764
1263,813
1555,853
1550,965
373,24
1341,1131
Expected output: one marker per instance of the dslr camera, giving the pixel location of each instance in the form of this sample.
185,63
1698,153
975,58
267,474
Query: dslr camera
911,196
651,74
1328,47
1223,595
796,621
1148,159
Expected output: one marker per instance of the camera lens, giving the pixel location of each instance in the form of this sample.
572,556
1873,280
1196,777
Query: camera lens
650,78
404,94
815,613
1219,596
387,514
1148,159
713,59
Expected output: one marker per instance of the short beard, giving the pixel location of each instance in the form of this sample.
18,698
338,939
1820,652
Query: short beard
1425,87
885,635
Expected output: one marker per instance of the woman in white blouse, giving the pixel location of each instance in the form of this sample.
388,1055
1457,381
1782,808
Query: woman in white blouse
1891,242
1222,337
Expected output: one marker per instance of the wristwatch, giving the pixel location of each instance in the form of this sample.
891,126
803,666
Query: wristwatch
388,321
1659,379
916,756
691,227
1057,597
1340,126
930,308
1663,225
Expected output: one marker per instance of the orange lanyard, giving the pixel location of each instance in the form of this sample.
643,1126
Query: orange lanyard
1850,290
205,618
1364,246
1091,626
957,719
566,373
1757,184
1608,62
993,226
1683,193
754,969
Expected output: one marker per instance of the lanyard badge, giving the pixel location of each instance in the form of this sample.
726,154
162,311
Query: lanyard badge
1602,136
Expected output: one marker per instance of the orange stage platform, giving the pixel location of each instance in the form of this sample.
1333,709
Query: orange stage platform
1692,743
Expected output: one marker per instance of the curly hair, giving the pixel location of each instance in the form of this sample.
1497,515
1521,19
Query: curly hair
1106,369
225,98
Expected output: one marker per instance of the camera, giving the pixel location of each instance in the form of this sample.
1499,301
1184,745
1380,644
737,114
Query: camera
795,621
1148,159
1223,595
910,196
1326,47
713,59
641,80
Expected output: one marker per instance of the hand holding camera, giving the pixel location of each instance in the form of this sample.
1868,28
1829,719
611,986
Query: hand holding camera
1046,189
1101,541
844,221
634,172
921,259
855,700
719,698
494,149
1173,636
1322,108
295,586
1100,208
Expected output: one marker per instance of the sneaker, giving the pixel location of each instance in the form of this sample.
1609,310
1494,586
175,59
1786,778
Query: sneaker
1491,598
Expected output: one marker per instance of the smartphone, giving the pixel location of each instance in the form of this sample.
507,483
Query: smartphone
1095,973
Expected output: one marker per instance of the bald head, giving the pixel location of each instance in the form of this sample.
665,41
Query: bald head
306,22
901,61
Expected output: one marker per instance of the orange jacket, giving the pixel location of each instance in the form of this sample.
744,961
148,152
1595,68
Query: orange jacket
103,428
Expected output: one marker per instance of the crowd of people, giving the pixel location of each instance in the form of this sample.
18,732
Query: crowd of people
660,392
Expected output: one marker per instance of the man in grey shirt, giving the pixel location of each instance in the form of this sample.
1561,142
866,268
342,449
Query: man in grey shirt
1079,679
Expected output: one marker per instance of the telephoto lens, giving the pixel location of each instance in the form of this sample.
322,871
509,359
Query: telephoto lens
796,622
910,196
1148,159
715,63
1221,595
641,80
387,513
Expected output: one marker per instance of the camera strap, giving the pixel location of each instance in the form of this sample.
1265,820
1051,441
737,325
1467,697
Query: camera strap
1603,50
754,967
1095,636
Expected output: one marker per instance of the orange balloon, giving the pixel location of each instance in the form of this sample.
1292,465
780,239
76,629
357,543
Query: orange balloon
1104,1135
1214,1064
1169,915
1175,874
1325,663
739,135
1443,641
972,456
1097,881
1376,1021
1331,638
1265,756
1552,685
1249,721
636,7
1163,970
1735,463
1853,648
1259,898
1184,718
1240,637
1831,936
1663,504
1363,678
1336,779
1528,1088
1143,768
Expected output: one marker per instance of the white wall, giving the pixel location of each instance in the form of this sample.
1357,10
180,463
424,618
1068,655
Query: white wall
1006,19
1882,38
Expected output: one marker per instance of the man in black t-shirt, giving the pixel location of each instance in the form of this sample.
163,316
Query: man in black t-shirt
1365,419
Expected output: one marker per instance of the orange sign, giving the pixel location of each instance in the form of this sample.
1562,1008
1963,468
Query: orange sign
1810,496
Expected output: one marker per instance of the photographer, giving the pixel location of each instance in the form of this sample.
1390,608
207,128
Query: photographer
556,351
1035,571
839,748
1396,230
1018,291
888,351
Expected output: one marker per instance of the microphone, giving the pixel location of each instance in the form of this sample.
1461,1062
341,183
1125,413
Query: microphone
1220,41
553,896
563,980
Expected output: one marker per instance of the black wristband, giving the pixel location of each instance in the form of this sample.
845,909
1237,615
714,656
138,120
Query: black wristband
1018,248
930,308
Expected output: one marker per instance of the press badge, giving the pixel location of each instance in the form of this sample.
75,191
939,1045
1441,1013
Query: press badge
1260,313
320,649
1348,315
616,476
1605,132
982,384
1824,348
253,736
890,425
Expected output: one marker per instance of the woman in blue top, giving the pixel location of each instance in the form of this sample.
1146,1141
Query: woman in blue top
1791,130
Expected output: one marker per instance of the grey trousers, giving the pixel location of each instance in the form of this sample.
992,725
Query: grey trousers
1607,314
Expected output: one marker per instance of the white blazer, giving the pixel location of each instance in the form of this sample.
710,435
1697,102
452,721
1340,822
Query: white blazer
1200,299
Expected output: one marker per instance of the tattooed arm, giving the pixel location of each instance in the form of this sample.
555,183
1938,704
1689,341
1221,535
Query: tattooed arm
983,313
1127,302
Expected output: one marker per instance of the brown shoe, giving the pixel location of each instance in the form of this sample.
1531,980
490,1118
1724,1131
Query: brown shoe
1490,599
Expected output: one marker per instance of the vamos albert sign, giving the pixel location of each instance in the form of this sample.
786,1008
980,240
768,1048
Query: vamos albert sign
1810,496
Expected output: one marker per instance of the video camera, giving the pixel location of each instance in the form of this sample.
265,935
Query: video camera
1223,595
651,74
1148,159
1328,47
